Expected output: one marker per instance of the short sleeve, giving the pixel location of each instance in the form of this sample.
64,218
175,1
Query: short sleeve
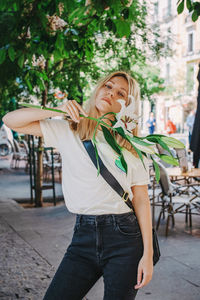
53,131
140,174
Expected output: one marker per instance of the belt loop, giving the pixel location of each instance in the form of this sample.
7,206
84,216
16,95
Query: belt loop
114,220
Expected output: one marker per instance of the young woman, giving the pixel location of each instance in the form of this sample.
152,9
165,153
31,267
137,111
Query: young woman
109,240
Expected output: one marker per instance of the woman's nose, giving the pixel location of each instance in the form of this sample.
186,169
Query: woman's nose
111,93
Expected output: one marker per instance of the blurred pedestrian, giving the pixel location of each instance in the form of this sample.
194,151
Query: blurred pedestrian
170,127
151,123
190,123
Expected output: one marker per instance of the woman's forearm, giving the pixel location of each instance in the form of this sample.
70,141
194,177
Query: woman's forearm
142,208
24,116
143,213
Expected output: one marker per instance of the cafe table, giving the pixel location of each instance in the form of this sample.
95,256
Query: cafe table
175,174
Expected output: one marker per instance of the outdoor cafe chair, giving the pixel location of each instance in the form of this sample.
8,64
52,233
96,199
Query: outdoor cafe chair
172,200
47,163
19,154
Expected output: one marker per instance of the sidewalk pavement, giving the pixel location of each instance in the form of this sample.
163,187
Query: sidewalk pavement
15,183
33,242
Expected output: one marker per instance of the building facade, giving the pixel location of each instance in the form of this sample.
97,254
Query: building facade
179,67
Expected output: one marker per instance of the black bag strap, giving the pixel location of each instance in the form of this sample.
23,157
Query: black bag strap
109,178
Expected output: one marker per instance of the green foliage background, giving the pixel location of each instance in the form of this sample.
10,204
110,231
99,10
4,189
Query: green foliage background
99,37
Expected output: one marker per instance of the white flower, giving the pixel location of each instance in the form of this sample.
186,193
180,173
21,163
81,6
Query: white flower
56,23
40,62
126,118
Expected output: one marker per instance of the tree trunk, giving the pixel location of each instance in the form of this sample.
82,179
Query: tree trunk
39,173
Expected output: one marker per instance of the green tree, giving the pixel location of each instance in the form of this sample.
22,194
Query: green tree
192,6
52,45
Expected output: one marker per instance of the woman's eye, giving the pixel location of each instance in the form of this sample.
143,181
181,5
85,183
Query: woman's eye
108,86
122,95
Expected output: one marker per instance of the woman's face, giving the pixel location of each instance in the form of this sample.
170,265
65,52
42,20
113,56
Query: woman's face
107,96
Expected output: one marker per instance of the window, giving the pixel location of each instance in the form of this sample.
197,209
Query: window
167,77
155,15
169,7
190,42
190,78
167,10
168,39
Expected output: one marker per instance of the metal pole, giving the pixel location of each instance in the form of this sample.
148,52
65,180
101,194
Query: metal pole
53,179
30,167
34,166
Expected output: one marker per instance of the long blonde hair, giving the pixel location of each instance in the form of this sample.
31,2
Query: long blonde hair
85,128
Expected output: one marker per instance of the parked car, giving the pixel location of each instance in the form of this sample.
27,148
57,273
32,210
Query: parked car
6,140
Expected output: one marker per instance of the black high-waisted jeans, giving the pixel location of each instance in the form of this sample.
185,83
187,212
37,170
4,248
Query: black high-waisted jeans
102,245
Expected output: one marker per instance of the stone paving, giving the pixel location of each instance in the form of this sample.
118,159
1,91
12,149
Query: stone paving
24,273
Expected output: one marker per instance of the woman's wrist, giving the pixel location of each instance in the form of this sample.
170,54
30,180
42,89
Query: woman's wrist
148,253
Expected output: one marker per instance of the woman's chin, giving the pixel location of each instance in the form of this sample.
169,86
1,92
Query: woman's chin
103,109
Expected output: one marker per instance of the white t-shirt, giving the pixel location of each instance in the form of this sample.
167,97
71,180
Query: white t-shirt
84,191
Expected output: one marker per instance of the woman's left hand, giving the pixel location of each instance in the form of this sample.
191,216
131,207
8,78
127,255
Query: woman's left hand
145,271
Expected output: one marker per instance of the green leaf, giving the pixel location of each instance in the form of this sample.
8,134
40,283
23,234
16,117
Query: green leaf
157,140
153,139
157,169
180,7
164,145
120,130
11,53
40,83
139,154
169,159
111,140
57,55
2,55
21,61
172,142
77,15
123,162
29,84
123,28
154,135
43,75
194,16
59,43
118,163
140,142
189,5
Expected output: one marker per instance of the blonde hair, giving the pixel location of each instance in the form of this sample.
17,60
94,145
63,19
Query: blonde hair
85,128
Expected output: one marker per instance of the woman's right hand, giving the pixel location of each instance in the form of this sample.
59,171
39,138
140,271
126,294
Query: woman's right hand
73,110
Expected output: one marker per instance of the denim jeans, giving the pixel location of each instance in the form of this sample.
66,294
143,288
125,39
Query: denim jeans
102,245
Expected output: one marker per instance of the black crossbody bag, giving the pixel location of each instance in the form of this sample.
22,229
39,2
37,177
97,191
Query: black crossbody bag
110,179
